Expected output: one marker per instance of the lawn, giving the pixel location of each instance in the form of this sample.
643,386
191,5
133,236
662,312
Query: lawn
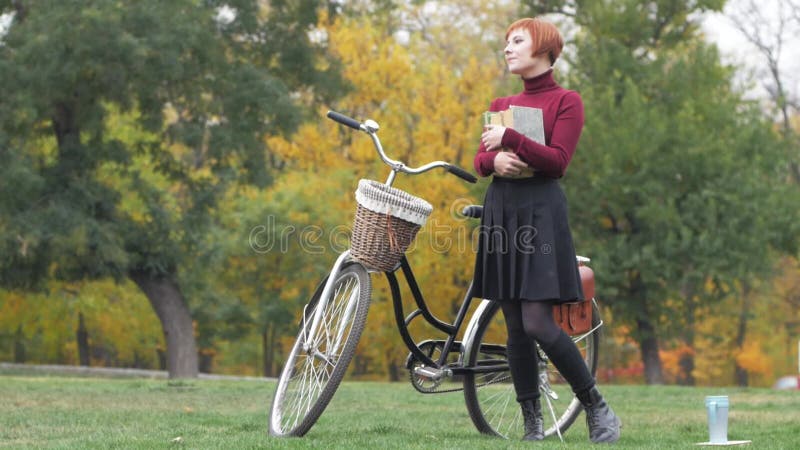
39,411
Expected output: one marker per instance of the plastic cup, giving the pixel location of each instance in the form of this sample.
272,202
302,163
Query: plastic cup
717,408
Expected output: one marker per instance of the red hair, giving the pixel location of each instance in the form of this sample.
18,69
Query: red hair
545,36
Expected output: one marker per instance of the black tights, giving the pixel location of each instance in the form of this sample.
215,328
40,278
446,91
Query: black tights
528,322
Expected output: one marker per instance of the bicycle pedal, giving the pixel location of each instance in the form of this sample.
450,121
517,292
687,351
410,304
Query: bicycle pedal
549,392
429,372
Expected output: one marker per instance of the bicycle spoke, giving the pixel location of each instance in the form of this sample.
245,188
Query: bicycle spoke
502,408
490,397
306,391
320,356
338,317
334,319
294,399
324,358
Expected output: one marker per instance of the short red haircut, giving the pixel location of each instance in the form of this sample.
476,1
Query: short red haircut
545,35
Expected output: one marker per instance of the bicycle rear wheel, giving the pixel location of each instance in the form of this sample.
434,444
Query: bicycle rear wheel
314,369
489,394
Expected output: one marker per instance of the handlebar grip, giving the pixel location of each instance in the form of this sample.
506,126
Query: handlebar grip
474,211
461,173
344,120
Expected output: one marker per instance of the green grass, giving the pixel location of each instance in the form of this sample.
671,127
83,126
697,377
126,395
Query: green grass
60,412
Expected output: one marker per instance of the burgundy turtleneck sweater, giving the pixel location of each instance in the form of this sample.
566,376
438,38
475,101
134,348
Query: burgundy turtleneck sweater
562,111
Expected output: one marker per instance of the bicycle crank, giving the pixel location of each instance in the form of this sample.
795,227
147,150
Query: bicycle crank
544,385
427,379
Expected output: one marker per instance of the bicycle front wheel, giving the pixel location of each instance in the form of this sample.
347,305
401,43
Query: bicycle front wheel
316,366
489,392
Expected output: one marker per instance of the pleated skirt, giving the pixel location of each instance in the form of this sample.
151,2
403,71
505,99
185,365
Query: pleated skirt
525,248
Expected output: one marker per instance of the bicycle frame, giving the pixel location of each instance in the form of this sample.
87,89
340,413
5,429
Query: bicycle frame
403,322
371,128
422,309
330,333
451,330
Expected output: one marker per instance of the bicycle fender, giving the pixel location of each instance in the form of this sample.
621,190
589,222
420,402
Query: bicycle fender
472,327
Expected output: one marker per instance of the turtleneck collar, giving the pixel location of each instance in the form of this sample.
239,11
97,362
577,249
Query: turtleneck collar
539,83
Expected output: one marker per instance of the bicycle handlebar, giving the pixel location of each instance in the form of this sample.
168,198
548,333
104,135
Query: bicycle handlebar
461,173
344,120
371,128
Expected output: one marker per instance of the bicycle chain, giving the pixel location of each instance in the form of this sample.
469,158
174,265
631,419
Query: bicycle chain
445,391
434,390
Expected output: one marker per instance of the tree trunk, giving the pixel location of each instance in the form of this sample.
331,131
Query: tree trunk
162,359
19,346
645,334
68,137
686,364
740,373
266,357
268,346
394,371
205,361
648,345
20,9
686,361
83,341
176,322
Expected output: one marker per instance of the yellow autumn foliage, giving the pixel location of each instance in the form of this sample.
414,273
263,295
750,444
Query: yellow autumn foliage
753,359
122,327
428,100
427,88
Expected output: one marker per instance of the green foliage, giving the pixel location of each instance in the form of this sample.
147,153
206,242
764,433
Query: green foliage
273,246
199,93
125,125
156,136
678,186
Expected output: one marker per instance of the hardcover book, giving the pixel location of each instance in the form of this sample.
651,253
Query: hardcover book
525,120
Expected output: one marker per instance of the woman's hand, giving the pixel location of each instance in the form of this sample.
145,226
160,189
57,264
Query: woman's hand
492,137
507,164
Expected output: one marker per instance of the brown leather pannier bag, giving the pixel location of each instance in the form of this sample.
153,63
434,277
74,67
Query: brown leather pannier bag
576,317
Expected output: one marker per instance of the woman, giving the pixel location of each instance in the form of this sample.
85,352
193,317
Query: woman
526,259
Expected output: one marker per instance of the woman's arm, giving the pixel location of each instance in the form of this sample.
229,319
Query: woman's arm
484,160
551,159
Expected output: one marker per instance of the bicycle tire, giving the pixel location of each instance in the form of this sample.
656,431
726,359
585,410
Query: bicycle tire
307,383
490,396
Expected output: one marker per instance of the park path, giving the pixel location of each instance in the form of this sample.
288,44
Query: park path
112,372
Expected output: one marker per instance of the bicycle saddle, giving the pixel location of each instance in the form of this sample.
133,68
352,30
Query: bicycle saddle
474,211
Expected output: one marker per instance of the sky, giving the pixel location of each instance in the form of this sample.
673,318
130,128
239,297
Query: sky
5,19
736,50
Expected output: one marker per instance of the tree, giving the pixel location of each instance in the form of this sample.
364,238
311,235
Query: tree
669,152
770,37
396,61
88,323
122,125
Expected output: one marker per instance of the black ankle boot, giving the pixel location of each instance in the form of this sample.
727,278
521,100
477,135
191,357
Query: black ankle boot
602,422
534,422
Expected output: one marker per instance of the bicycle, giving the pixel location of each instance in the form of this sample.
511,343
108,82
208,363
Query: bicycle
332,322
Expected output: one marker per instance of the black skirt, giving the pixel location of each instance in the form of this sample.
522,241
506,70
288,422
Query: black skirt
525,249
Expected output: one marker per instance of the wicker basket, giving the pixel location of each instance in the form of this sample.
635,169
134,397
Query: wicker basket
387,220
